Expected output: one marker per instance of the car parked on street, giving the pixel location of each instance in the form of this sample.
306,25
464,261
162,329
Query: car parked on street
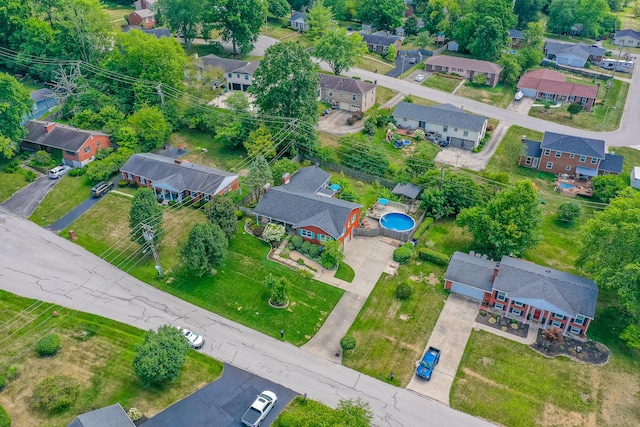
101,188
195,340
420,77
259,409
59,171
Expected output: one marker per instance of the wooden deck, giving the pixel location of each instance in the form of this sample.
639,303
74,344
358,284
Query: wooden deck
574,187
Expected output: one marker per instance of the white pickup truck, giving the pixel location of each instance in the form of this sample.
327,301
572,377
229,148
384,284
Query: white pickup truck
259,409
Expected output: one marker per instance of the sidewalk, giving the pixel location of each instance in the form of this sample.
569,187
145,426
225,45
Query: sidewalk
530,339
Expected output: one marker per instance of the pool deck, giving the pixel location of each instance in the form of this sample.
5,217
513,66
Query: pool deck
580,187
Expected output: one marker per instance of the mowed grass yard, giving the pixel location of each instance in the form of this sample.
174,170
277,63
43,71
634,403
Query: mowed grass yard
602,117
10,183
236,291
217,155
97,352
441,83
499,96
63,197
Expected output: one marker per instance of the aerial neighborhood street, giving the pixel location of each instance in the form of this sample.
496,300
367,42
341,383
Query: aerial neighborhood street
319,213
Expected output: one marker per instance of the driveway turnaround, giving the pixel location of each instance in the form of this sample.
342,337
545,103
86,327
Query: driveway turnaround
459,157
450,335
223,402
27,199
36,263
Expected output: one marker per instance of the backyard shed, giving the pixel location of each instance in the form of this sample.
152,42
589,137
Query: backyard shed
407,190
635,177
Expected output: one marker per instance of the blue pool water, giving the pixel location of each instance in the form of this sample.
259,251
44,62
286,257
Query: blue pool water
397,221
566,186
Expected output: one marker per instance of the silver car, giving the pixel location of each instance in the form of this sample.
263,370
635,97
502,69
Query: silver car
195,340
59,171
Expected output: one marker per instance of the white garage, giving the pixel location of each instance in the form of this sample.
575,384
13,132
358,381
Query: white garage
468,291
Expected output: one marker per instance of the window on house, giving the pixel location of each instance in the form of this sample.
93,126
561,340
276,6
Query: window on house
558,154
143,180
445,128
466,133
353,97
528,161
556,324
129,175
568,168
583,159
501,296
353,218
558,316
323,238
246,76
516,311
517,304
97,143
330,93
87,149
594,160
549,165
547,152
575,330
498,306
579,320
305,233
229,75
238,75
571,156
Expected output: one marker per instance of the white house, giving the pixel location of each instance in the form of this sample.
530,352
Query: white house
447,122
629,38
297,21
635,177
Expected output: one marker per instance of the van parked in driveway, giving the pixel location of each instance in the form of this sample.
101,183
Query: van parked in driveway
59,171
101,188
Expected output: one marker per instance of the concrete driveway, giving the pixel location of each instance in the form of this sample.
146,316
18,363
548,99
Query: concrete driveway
335,123
450,335
26,200
223,402
522,107
459,157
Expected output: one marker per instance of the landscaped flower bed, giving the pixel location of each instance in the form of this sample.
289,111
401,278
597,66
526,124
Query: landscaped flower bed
504,324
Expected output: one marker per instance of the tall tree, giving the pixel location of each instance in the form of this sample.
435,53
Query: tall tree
339,50
159,359
15,103
83,30
145,209
222,212
448,194
489,39
528,11
562,15
592,15
206,246
498,9
151,128
508,224
259,175
441,15
184,17
339,8
320,19
382,14
511,69
239,22
260,143
285,85
279,8
423,39
238,101
610,252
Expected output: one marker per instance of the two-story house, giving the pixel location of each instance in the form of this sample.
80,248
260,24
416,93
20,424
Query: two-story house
78,146
306,205
145,14
567,154
346,93
238,75
446,122
525,291
464,67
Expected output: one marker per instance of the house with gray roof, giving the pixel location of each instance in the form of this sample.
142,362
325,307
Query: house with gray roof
238,75
627,38
346,93
379,42
306,205
525,291
515,38
446,122
176,179
297,21
109,416
573,54
573,155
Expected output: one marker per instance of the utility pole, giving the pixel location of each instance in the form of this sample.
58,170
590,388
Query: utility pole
159,90
148,235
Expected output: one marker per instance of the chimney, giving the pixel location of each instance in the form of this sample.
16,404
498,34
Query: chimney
495,272
286,178
48,126
177,161
266,187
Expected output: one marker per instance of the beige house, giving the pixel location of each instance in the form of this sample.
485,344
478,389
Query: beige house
346,93
627,38
464,67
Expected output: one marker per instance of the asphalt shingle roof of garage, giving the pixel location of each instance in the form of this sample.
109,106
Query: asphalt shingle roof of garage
444,114
109,416
61,136
611,163
470,270
378,39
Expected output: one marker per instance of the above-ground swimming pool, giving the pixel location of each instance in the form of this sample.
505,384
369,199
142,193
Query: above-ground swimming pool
566,186
397,221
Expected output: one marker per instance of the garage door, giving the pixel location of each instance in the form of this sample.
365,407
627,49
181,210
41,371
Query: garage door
345,106
467,291
462,143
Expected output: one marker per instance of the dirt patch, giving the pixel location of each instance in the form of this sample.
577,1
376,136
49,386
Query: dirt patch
393,309
618,393
554,416
483,379
432,279
405,317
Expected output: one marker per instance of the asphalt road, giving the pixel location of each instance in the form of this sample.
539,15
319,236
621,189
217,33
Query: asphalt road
25,201
223,402
36,263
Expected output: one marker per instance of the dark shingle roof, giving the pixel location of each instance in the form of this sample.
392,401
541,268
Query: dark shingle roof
61,136
109,416
573,144
180,176
628,32
158,32
533,148
611,163
441,115
580,49
298,204
297,16
525,281
249,68
378,39
476,65
228,65
470,270
516,34
408,190
41,94
345,84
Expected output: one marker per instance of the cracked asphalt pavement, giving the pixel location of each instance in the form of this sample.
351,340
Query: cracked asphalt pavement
37,263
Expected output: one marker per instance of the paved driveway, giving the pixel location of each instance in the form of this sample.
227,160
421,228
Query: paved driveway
459,157
25,201
522,107
335,123
223,402
450,335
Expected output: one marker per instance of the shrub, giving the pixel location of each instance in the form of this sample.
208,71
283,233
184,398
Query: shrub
552,334
433,257
403,291
104,153
239,214
350,121
29,175
296,242
134,414
257,230
285,252
274,233
13,373
279,287
48,345
402,255
423,227
55,393
314,251
12,167
358,115
42,158
159,359
123,183
569,211
348,343
305,247
5,419
370,126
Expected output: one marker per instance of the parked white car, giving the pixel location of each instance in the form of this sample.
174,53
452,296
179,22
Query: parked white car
259,409
195,340
59,171
420,77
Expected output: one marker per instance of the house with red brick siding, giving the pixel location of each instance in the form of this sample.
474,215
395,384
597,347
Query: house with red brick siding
307,207
573,155
145,15
524,291
465,67
78,146
549,85
176,179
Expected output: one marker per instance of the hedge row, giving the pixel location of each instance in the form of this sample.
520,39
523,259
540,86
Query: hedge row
423,227
433,257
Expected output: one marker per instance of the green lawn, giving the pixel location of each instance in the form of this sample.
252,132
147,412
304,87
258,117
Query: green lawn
499,96
66,195
116,13
441,83
345,272
217,155
236,292
276,28
446,237
602,117
372,62
10,183
384,94
96,351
